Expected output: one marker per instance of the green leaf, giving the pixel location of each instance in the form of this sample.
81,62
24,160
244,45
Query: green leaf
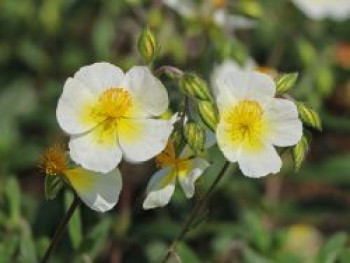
13,195
285,81
251,256
186,254
27,250
74,225
300,150
332,249
309,116
53,185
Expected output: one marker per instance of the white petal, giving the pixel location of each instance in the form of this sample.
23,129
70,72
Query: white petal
225,143
148,92
187,179
100,76
99,192
71,105
97,150
260,163
286,128
160,189
142,139
239,86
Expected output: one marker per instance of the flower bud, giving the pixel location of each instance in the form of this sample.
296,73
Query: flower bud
195,136
147,45
300,150
309,116
285,81
194,86
208,113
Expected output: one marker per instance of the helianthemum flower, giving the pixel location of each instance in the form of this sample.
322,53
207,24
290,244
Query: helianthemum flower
162,184
252,122
97,191
320,9
109,114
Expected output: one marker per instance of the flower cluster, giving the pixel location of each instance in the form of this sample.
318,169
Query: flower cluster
112,115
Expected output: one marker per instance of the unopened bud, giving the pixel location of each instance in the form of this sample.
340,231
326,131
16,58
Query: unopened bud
208,113
309,116
147,45
300,150
285,81
195,136
194,86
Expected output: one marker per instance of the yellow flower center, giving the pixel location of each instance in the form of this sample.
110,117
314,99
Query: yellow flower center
112,104
53,161
168,158
246,123
218,3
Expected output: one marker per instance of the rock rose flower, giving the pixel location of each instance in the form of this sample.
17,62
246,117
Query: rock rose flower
252,122
109,114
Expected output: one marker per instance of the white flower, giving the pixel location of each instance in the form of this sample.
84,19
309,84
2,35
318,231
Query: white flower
109,114
252,122
212,9
162,184
320,9
230,66
97,191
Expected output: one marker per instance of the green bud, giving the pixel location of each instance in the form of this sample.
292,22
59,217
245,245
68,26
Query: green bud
177,139
195,136
53,185
208,113
147,45
285,81
194,86
309,116
299,151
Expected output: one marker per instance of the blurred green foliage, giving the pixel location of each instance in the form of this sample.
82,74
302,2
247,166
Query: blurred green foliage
289,218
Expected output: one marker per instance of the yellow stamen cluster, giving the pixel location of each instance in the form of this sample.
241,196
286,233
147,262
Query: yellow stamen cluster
218,3
53,161
168,158
113,104
246,123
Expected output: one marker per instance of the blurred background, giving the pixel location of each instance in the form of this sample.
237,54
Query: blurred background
291,217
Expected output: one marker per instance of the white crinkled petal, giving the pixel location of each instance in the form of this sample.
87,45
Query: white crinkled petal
160,189
99,192
96,150
225,143
187,180
143,139
71,105
148,93
286,128
260,163
100,76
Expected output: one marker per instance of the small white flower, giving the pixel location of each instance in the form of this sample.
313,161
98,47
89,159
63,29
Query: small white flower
252,122
230,66
320,9
97,191
162,184
109,114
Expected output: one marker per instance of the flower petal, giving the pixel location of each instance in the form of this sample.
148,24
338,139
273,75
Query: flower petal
70,107
225,143
239,86
259,163
149,94
100,76
160,189
99,192
286,128
188,178
97,150
142,139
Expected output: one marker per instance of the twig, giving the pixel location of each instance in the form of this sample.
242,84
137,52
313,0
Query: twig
61,228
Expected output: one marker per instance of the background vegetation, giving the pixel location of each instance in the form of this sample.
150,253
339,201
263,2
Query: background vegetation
290,217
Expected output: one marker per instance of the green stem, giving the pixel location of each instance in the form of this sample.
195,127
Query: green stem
61,228
195,212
